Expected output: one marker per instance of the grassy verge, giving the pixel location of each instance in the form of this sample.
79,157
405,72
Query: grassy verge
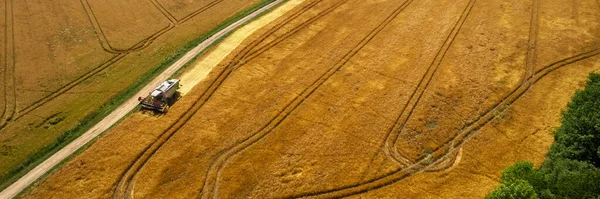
96,116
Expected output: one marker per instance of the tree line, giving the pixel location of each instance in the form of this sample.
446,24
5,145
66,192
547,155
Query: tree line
572,166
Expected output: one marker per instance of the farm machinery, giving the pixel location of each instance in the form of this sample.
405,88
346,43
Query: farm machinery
161,97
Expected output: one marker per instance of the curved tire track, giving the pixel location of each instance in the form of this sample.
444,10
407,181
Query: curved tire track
210,187
530,63
124,188
454,145
531,59
30,177
164,11
118,56
394,133
68,87
451,146
106,43
10,97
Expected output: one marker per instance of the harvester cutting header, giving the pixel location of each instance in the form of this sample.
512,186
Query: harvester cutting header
160,98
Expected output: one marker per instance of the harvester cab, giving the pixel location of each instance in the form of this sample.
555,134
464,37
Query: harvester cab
161,97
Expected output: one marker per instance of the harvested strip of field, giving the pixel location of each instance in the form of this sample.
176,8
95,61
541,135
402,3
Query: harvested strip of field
64,75
205,64
363,96
273,75
115,159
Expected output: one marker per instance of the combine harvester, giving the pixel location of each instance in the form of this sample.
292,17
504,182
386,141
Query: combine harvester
161,97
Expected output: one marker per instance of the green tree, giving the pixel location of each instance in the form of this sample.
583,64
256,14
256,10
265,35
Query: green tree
578,138
568,178
572,167
523,171
518,189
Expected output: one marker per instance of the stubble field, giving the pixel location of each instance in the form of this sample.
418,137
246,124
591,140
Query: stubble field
349,98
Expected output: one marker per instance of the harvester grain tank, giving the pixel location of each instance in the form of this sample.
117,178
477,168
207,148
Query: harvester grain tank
160,98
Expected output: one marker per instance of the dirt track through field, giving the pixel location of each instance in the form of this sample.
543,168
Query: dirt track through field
119,54
530,68
126,183
122,110
104,41
164,11
202,68
125,186
10,98
323,105
211,186
392,138
452,146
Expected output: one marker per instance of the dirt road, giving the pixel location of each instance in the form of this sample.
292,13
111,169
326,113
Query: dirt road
122,110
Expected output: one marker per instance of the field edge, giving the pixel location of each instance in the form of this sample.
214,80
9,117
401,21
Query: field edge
91,119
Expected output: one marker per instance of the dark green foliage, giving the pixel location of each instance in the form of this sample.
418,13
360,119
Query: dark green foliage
572,168
523,171
568,178
519,189
578,138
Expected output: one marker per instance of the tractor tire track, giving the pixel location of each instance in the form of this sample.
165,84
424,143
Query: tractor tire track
68,87
530,63
200,10
426,162
10,98
422,163
210,188
104,41
393,134
97,28
5,67
124,187
532,43
118,56
249,56
531,57
530,68
30,177
443,164
483,120
164,11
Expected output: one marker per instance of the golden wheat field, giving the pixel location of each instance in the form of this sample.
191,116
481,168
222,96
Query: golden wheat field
62,60
342,98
